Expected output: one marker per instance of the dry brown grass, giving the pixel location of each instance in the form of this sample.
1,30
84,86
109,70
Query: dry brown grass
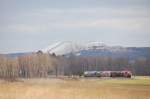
76,89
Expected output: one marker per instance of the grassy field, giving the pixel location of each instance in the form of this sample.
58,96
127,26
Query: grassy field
135,88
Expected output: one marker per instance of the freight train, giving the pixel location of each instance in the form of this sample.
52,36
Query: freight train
125,74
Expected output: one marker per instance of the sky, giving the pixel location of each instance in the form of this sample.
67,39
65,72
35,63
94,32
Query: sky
29,25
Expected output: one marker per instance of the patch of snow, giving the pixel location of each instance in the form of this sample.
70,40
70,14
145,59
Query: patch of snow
62,48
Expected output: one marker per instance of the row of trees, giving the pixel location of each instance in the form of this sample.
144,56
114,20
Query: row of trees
45,65
77,65
30,66
8,68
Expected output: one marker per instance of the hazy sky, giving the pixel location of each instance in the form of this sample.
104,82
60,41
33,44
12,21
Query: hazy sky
28,25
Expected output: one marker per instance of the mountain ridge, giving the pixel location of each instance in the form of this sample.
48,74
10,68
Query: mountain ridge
68,48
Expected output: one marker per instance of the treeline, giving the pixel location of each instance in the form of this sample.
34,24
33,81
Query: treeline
42,65
77,65
30,66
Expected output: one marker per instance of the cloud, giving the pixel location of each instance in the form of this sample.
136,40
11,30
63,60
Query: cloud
20,28
122,24
49,19
126,24
135,11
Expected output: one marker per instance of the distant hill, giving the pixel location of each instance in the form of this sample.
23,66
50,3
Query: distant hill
15,55
129,52
92,49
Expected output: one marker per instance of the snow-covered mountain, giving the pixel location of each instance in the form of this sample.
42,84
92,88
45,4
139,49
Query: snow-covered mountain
96,49
66,47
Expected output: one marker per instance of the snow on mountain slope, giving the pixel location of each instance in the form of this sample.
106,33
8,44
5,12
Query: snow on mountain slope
66,47
95,45
102,46
62,48
50,47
